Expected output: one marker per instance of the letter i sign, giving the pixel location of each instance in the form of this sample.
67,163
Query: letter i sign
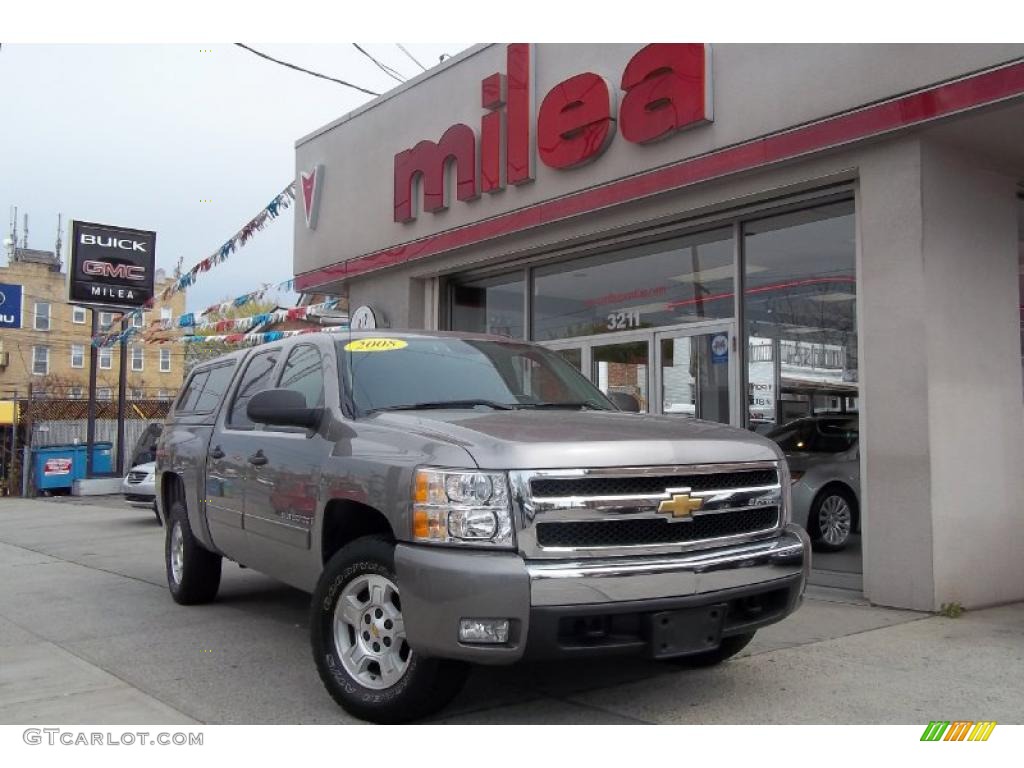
310,182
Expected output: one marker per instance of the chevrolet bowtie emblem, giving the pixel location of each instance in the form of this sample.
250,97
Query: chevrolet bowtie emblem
680,505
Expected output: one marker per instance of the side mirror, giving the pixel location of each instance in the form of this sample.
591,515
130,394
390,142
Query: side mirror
282,408
625,402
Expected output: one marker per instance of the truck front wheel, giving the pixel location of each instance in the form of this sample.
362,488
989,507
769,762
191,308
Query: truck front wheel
359,642
193,572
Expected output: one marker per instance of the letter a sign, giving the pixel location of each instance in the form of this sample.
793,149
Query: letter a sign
311,183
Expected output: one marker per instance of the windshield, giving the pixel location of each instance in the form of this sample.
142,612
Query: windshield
831,435
423,372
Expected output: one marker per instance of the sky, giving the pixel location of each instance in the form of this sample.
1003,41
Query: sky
141,135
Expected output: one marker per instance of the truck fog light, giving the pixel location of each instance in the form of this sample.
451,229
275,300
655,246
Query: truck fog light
493,631
472,523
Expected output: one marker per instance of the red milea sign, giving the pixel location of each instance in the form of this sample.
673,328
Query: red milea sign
665,88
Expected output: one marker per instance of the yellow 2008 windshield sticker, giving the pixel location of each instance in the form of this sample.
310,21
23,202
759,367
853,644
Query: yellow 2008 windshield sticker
375,345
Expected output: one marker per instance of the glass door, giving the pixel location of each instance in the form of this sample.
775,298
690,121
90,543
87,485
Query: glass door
623,367
696,372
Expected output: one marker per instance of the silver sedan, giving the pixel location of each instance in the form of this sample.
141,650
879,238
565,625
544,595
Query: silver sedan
139,485
824,460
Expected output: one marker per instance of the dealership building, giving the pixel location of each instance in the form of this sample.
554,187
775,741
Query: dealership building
746,234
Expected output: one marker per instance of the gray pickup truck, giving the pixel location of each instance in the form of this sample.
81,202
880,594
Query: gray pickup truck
452,499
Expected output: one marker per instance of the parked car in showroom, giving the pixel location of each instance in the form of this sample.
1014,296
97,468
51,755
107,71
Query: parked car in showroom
824,463
139,486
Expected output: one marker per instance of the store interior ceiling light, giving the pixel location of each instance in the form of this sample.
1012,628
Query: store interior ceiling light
828,297
715,273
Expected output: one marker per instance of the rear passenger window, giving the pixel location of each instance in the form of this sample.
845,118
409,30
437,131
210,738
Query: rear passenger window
303,373
190,396
255,379
215,389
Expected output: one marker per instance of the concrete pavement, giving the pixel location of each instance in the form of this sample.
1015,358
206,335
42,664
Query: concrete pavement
88,634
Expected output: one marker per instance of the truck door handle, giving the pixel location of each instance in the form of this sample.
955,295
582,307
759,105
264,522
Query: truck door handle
258,458
217,453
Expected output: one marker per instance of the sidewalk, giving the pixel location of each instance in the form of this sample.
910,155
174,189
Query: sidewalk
88,634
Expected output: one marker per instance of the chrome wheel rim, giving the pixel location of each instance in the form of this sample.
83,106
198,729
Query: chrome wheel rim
835,520
369,632
177,553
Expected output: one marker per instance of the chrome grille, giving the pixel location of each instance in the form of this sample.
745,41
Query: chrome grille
134,478
630,533
602,512
617,486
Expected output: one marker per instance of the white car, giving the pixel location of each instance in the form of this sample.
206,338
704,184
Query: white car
139,485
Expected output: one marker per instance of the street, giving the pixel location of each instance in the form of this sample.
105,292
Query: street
89,634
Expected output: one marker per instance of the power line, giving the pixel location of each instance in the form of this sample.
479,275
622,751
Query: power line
393,74
414,59
307,71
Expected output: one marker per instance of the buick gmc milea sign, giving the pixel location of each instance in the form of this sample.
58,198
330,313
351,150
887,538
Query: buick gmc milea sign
110,265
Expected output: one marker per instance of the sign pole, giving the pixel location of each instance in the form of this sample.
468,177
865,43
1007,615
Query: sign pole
90,429
122,382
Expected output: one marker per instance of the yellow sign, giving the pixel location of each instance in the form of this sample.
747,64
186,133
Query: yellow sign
680,505
8,412
375,345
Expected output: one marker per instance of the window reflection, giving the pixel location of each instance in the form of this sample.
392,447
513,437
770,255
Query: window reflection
800,309
648,286
493,306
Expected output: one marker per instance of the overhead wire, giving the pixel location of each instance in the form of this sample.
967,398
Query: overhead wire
308,71
415,61
392,73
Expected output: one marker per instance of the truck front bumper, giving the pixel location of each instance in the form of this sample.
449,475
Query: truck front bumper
594,606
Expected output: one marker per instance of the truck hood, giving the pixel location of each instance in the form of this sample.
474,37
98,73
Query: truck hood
555,439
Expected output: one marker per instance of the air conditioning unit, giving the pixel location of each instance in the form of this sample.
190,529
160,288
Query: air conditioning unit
5,359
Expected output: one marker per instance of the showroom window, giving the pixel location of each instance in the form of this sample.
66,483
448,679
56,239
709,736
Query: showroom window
800,311
670,282
494,305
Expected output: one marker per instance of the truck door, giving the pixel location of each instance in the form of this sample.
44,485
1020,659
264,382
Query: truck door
282,492
233,444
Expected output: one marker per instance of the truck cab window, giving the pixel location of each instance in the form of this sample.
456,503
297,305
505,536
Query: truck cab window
215,389
255,379
303,373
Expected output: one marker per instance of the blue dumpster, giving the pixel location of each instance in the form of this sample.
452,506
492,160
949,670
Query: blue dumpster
58,466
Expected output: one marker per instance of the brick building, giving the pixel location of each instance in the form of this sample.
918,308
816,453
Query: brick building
51,348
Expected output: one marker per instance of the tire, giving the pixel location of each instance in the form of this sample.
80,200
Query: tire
728,648
195,578
362,574
832,519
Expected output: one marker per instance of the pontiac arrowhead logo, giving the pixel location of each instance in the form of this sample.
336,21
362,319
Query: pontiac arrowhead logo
311,183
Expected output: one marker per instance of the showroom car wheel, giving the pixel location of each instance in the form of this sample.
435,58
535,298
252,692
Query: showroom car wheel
193,572
728,648
359,641
832,520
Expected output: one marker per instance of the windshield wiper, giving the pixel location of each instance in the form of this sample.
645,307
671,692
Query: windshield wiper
439,404
587,404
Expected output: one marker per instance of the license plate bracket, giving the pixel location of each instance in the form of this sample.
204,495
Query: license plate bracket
685,631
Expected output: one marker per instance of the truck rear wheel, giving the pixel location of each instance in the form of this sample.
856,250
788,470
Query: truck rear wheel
193,572
359,643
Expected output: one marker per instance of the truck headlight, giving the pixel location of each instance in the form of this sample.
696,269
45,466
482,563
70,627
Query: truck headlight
461,507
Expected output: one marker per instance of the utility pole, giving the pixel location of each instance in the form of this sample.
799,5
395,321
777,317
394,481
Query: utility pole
122,381
90,429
